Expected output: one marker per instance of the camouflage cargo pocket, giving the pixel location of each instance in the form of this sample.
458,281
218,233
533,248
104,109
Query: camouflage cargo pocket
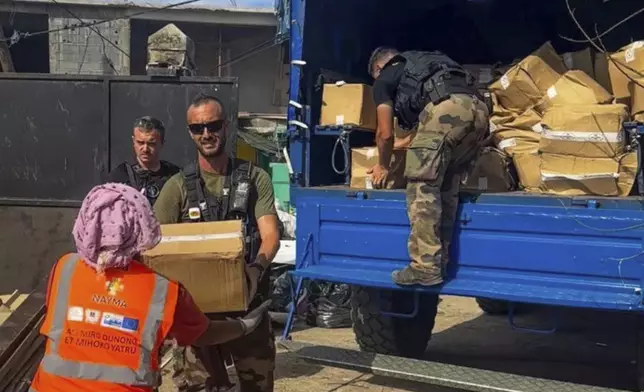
425,161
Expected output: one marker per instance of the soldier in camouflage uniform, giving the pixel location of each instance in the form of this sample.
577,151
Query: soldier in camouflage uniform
432,95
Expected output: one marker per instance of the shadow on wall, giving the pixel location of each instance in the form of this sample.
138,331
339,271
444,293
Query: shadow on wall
32,239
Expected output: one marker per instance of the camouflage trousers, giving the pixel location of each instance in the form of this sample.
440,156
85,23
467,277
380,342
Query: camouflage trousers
448,138
253,356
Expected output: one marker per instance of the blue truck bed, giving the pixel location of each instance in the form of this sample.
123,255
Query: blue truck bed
581,252
584,252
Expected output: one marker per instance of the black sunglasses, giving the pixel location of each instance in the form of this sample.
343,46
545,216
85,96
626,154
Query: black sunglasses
212,127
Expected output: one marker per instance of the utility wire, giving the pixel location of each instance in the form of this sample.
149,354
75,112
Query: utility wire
274,41
94,29
620,66
18,35
613,27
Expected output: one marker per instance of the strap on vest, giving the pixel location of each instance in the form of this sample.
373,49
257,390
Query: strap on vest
220,208
195,193
231,205
134,183
56,365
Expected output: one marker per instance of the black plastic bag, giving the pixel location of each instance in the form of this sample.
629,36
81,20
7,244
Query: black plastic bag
329,305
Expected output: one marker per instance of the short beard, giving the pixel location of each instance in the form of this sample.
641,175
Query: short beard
212,154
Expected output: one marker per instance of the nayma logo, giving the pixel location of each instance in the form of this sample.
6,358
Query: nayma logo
114,286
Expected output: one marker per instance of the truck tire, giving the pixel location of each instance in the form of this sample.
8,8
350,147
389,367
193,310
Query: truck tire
403,337
493,307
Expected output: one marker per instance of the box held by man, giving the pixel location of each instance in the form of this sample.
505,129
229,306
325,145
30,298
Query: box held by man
208,259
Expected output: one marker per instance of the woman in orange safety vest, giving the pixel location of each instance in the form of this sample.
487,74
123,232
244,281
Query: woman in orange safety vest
108,314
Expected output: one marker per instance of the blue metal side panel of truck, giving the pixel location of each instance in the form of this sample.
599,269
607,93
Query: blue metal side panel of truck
580,252
521,248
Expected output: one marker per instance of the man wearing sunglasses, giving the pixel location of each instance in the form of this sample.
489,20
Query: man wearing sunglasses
214,188
149,173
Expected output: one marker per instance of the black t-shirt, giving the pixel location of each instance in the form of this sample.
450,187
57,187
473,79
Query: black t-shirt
147,182
384,88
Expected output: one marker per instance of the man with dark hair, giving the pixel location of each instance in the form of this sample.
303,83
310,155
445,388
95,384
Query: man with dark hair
149,173
213,188
435,98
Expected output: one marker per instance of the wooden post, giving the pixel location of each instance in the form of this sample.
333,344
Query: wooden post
6,63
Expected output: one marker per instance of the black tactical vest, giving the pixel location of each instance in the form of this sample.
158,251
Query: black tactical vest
428,77
233,204
141,180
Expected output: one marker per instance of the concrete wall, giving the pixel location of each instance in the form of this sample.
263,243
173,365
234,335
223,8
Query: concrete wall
262,82
100,49
89,50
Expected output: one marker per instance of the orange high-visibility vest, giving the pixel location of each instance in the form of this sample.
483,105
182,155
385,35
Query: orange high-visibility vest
104,332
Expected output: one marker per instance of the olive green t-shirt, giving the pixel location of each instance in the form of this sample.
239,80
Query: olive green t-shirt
172,202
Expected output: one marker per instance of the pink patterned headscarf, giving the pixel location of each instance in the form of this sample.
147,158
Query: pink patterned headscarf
114,224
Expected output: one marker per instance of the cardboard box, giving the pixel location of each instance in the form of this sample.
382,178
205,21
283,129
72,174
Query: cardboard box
587,131
519,135
601,71
582,60
574,88
626,63
489,172
527,82
349,105
574,176
527,165
208,259
363,159
637,100
499,115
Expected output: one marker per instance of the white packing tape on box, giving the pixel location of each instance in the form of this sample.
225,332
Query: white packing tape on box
576,136
200,237
550,176
503,144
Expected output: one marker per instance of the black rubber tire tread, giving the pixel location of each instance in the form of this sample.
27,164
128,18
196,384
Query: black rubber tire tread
493,306
403,337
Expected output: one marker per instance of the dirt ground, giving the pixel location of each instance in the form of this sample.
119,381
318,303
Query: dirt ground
589,347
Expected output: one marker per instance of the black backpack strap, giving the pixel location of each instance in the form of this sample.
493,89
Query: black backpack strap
240,208
132,178
195,192
228,190
241,175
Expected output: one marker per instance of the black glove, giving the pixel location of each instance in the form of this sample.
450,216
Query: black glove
251,321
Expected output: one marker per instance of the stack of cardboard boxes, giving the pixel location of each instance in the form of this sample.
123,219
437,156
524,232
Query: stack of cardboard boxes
559,118
562,127
351,106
